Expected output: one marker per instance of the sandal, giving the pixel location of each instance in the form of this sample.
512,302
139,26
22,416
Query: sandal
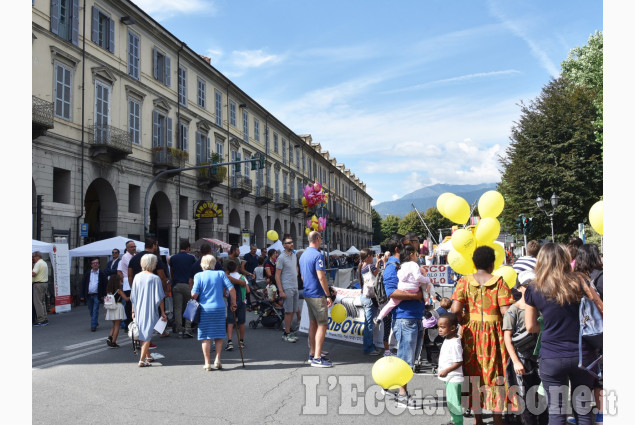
207,367
144,364
149,359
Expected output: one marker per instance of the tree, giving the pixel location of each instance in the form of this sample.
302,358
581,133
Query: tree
411,223
584,67
553,149
389,226
436,221
376,220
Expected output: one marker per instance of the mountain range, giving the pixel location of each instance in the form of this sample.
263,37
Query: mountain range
426,197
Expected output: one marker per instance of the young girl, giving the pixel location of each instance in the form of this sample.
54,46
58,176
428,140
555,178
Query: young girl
118,314
450,365
410,279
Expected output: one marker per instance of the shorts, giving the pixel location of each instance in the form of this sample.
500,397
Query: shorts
318,310
292,302
241,313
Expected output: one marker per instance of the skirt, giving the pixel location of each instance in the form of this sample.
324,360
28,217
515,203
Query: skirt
212,324
118,313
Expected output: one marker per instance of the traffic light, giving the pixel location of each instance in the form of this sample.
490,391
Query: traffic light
525,225
254,162
262,161
519,224
215,160
529,225
237,164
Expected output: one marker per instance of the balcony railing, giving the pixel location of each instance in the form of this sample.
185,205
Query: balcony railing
211,177
264,195
167,158
42,113
282,201
109,142
295,206
241,186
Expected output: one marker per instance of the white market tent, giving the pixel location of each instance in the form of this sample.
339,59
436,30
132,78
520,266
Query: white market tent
277,245
246,248
104,248
336,253
43,247
352,250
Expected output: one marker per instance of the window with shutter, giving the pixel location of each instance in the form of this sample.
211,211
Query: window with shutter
62,91
65,19
133,55
218,106
169,131
103,30
182,83
134,121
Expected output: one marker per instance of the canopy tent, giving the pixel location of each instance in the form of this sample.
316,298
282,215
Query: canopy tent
215,243
43,247
352,250
337,253
277,245
246,248
104,248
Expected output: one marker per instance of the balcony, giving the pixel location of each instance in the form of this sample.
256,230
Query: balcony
210,177
264,195
295,206
41,116
166,158
240,187
109,143
282,201
347,223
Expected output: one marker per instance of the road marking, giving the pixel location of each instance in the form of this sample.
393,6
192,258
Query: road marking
84,344
43,353
68,356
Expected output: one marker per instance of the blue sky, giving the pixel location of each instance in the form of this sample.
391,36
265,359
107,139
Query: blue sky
407,93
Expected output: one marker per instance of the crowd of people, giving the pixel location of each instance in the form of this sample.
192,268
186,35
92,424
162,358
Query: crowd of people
499,343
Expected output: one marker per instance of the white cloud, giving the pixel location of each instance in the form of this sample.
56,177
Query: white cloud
395,197
459,79
252,58
164,9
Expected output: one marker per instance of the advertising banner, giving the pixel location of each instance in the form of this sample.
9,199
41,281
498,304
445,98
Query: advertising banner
353,325
61,275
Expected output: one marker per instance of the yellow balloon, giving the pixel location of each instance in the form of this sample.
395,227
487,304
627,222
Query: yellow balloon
338,313
491,204
460,263
596,217
272,235
391,372
487,231
304,202
441,201
307,231
463,241
508,273
499,251
457,209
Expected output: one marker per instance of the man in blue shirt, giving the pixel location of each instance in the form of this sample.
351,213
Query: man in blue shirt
316,287
406,317
180,267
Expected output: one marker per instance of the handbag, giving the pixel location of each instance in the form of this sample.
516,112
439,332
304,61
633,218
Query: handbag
591,327
369,283
109,302
192,311
133,330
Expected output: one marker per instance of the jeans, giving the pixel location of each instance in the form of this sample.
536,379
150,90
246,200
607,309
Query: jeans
370,311
527,386
409,337
128,307
556,375
93,309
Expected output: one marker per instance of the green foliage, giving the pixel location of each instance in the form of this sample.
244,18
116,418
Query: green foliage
389,226
553,149
376,220
436,221
584,67
411,223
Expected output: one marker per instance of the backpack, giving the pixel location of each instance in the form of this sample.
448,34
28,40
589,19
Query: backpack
378,287
109,302
591,327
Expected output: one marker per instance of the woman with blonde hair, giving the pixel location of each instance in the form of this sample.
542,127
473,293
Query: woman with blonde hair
556,294
146,296
208,290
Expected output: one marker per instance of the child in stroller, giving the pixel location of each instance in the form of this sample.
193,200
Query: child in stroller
431,339
269,307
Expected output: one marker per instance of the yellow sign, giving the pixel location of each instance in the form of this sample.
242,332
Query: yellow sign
206,209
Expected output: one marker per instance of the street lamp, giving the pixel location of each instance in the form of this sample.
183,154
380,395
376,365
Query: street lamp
554,204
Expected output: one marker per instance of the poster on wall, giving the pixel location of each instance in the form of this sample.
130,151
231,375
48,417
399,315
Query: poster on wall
61,275
246,238
352,327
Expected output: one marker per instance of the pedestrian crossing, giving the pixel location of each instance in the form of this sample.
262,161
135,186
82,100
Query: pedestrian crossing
71,352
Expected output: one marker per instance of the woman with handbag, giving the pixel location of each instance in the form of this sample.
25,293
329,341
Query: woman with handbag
147,296
117,314
556,293
208,291
368,274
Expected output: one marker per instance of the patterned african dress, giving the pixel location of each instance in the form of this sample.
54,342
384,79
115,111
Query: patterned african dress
484,353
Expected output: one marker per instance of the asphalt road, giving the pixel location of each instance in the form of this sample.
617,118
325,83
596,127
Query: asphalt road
78,379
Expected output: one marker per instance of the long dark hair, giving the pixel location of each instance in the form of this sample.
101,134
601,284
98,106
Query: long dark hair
408,250
588,259
114,283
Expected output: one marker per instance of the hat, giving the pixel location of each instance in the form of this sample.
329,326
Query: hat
387,253
525,277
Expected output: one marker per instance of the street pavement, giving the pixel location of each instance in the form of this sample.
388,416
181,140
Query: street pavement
78,379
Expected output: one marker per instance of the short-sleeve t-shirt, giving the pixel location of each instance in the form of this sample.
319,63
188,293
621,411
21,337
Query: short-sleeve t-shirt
181,265
562,325
41,271
451,352
287,265
523,341
135,263
210,293
252,262
310,262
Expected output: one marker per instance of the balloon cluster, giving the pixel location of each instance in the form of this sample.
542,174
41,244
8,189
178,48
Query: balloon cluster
465,241
314,196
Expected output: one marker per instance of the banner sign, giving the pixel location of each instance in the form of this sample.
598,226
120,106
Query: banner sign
61,276
439,275
207,209
351,329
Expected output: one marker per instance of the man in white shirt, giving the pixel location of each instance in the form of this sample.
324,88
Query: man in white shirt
122,271
94,291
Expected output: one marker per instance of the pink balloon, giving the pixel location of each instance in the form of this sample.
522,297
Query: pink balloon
317,187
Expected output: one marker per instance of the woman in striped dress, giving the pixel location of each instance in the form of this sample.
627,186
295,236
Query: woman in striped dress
208,290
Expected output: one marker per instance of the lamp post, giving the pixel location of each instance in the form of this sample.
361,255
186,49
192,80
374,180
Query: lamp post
554,204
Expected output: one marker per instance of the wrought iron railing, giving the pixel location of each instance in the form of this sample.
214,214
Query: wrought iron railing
110,136
42,112
171,157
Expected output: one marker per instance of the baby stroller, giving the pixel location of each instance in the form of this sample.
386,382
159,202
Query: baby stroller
269,315
431,341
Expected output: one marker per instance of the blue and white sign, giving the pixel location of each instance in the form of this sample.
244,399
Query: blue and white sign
83,230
